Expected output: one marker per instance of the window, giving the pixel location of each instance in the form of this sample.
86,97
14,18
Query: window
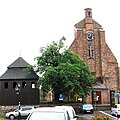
33,85
24,109
115,106
6,85
90,51
23,84
14,84
88,13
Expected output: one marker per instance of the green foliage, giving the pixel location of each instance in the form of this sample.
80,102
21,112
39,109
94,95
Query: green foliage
50,56
63,72
1,118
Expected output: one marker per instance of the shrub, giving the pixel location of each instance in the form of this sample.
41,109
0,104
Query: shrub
1,118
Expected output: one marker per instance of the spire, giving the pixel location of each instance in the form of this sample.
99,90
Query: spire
88,12
20,53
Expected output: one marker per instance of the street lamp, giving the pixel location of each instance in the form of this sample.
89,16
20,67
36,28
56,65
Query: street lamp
118,95
111,90
40,92
18,90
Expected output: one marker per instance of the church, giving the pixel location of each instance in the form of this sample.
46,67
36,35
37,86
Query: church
90,44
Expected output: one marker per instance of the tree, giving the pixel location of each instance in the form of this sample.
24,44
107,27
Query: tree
63,72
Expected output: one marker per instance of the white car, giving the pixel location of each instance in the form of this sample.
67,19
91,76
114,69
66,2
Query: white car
23,112
70,110
115,110
48,113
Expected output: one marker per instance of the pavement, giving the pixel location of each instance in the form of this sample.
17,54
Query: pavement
108,113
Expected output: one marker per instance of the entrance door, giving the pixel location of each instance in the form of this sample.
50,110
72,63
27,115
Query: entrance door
98,95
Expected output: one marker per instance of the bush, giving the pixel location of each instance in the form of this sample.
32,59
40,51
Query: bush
1,118
100,118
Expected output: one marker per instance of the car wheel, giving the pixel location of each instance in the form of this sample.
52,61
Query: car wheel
116,114
91,112
12,117
112,114
82,112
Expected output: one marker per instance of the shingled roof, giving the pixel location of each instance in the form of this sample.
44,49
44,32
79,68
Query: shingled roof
17,71
19,63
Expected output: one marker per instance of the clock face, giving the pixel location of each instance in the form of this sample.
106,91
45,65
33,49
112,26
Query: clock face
89,36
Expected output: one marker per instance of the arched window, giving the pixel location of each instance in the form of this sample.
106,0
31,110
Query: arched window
33,85
23,84
6,85
89,13
14,85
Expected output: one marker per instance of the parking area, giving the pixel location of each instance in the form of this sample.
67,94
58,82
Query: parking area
101,113
89,116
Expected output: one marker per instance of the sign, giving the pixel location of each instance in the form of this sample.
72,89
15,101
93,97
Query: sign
61,97
116,95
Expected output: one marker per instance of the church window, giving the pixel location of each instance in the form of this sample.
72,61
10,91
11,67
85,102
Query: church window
14,84
88,13
33,85
6,85
90,51
24,85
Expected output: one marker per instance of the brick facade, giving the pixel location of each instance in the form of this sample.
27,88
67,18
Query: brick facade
98,56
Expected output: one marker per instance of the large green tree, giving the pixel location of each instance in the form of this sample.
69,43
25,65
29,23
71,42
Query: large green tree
63,71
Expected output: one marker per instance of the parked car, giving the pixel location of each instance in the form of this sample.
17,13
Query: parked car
115,110
86,108
23,112
48,113
70,110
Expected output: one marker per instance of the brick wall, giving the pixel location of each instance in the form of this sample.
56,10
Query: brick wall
103,62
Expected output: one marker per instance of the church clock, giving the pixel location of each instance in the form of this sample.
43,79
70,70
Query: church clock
89,36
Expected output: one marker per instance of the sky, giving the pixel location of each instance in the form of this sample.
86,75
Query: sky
27,25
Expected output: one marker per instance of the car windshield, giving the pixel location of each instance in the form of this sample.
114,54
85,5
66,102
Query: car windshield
87,106
47,116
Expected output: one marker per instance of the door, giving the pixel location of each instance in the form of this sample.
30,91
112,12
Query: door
98,97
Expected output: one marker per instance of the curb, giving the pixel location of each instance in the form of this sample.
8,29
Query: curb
115,118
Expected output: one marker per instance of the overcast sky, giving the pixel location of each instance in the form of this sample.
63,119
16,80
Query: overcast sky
27,25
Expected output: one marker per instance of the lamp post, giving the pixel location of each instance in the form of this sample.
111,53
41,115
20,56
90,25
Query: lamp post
111,90
118,96
18,90
40,92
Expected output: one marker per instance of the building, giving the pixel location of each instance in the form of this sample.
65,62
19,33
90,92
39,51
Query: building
18,85
90,44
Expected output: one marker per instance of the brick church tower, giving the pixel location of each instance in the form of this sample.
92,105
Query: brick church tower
91,45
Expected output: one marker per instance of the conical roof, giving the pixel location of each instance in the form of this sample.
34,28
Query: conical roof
17,70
